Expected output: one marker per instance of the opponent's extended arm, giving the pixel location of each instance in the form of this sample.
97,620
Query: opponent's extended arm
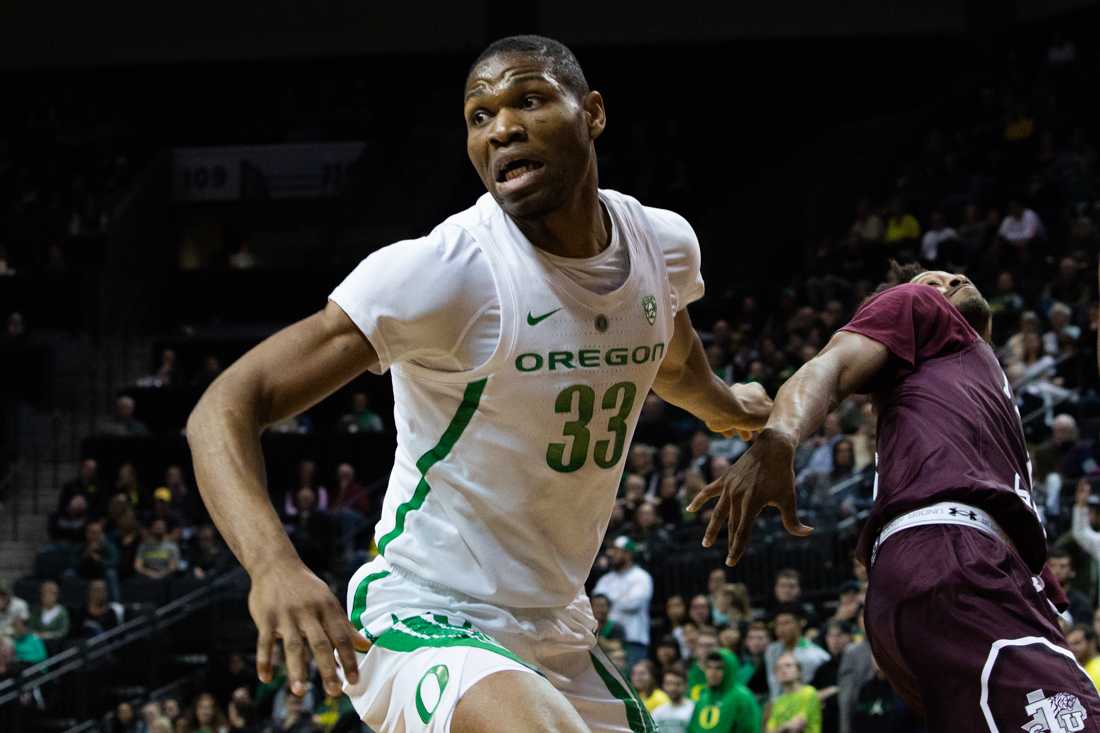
764,475
282,376
685,379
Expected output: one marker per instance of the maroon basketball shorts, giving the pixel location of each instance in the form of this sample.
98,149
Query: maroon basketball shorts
966,636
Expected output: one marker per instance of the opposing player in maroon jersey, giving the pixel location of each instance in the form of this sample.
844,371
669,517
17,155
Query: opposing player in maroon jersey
959,605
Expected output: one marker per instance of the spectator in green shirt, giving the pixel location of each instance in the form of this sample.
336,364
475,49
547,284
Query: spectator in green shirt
29,649
725,705
797,709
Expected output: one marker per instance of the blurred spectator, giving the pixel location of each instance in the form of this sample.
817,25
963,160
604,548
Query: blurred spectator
878,708
167,373
244,258
361,419
731,605
670,508
122,422
867,228
306,478
163,510
98,556
11,608
724,705
902,229
673,622
838,637
1021,226
643,675
856,669
1081,640
162,725
29,649
1006,305
68,525
351,505
796,708
207,716
128,485
85,484
171,708
1061,567
294,716
211,368
787,591
150,711
243,716
754,669
630,589
209,556
706,642
934,244
98,614
667,653
699,612
849,602
158,556
127,538
1064,452
125,721
1059,316
605,627
311,532
651,539
8,668
50,620
789,621
673,716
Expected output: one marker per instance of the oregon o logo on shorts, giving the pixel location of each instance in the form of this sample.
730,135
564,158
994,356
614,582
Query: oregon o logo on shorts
430,691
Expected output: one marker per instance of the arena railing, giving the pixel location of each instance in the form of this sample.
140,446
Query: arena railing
81,660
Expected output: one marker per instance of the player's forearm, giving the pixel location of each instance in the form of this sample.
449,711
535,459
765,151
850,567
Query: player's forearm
804,400
693,386
224,434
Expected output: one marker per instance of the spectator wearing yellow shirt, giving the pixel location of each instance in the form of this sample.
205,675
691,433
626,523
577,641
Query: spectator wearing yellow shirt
797,709
644,678
1082,642
902,228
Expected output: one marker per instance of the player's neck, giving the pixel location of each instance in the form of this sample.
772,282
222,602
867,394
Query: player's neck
581,228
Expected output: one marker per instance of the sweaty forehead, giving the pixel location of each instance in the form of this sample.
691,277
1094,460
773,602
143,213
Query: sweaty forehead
503,70
933,277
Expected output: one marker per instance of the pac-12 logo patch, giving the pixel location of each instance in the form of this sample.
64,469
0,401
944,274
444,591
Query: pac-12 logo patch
649,307
1059,713
430,691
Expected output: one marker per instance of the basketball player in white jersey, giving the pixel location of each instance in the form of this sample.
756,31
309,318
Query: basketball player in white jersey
522,336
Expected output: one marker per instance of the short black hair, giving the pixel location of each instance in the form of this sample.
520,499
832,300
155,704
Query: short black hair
716,656
1059,553
790,609
563,64
601,595
675,671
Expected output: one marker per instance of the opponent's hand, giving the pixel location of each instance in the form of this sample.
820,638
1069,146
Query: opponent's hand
763,476
1084,491
290,603
756,406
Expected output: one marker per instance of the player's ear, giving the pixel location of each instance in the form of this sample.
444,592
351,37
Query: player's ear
595,117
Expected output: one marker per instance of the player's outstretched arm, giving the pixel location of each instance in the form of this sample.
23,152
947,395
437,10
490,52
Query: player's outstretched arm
764,475
282,376
686,380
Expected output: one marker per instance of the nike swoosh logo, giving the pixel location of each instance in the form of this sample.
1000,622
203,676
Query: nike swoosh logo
533,321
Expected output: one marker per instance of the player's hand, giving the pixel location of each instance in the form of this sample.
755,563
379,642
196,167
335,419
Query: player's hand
290,603
1084,491
763,476
756,407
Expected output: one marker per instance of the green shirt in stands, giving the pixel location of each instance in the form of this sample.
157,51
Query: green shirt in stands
697,678
29,648
730,708
50,624
789,706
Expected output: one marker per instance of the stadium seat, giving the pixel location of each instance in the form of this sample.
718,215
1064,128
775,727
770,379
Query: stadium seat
52,562
140,589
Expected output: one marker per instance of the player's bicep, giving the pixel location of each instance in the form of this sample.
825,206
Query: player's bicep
300,365
856,359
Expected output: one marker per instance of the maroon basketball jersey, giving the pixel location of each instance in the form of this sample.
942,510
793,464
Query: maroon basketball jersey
948,428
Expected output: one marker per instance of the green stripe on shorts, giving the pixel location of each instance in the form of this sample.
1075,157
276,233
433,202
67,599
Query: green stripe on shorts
431,631
359,601
637,717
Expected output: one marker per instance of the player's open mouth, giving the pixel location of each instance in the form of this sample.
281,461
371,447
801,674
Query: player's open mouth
516,173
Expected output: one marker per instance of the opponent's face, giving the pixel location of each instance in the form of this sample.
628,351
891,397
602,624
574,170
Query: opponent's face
963,295
529,137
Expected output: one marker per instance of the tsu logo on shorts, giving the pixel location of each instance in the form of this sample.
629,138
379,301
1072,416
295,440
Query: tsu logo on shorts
1059,713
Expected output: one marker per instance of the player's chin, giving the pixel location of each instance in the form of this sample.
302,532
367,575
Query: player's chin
974,309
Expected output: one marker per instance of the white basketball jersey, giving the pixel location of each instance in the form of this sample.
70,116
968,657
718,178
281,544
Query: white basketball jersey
505,476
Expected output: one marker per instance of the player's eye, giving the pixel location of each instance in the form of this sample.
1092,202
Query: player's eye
531,101
479,117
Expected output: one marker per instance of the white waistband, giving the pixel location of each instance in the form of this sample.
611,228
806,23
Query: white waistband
946,512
